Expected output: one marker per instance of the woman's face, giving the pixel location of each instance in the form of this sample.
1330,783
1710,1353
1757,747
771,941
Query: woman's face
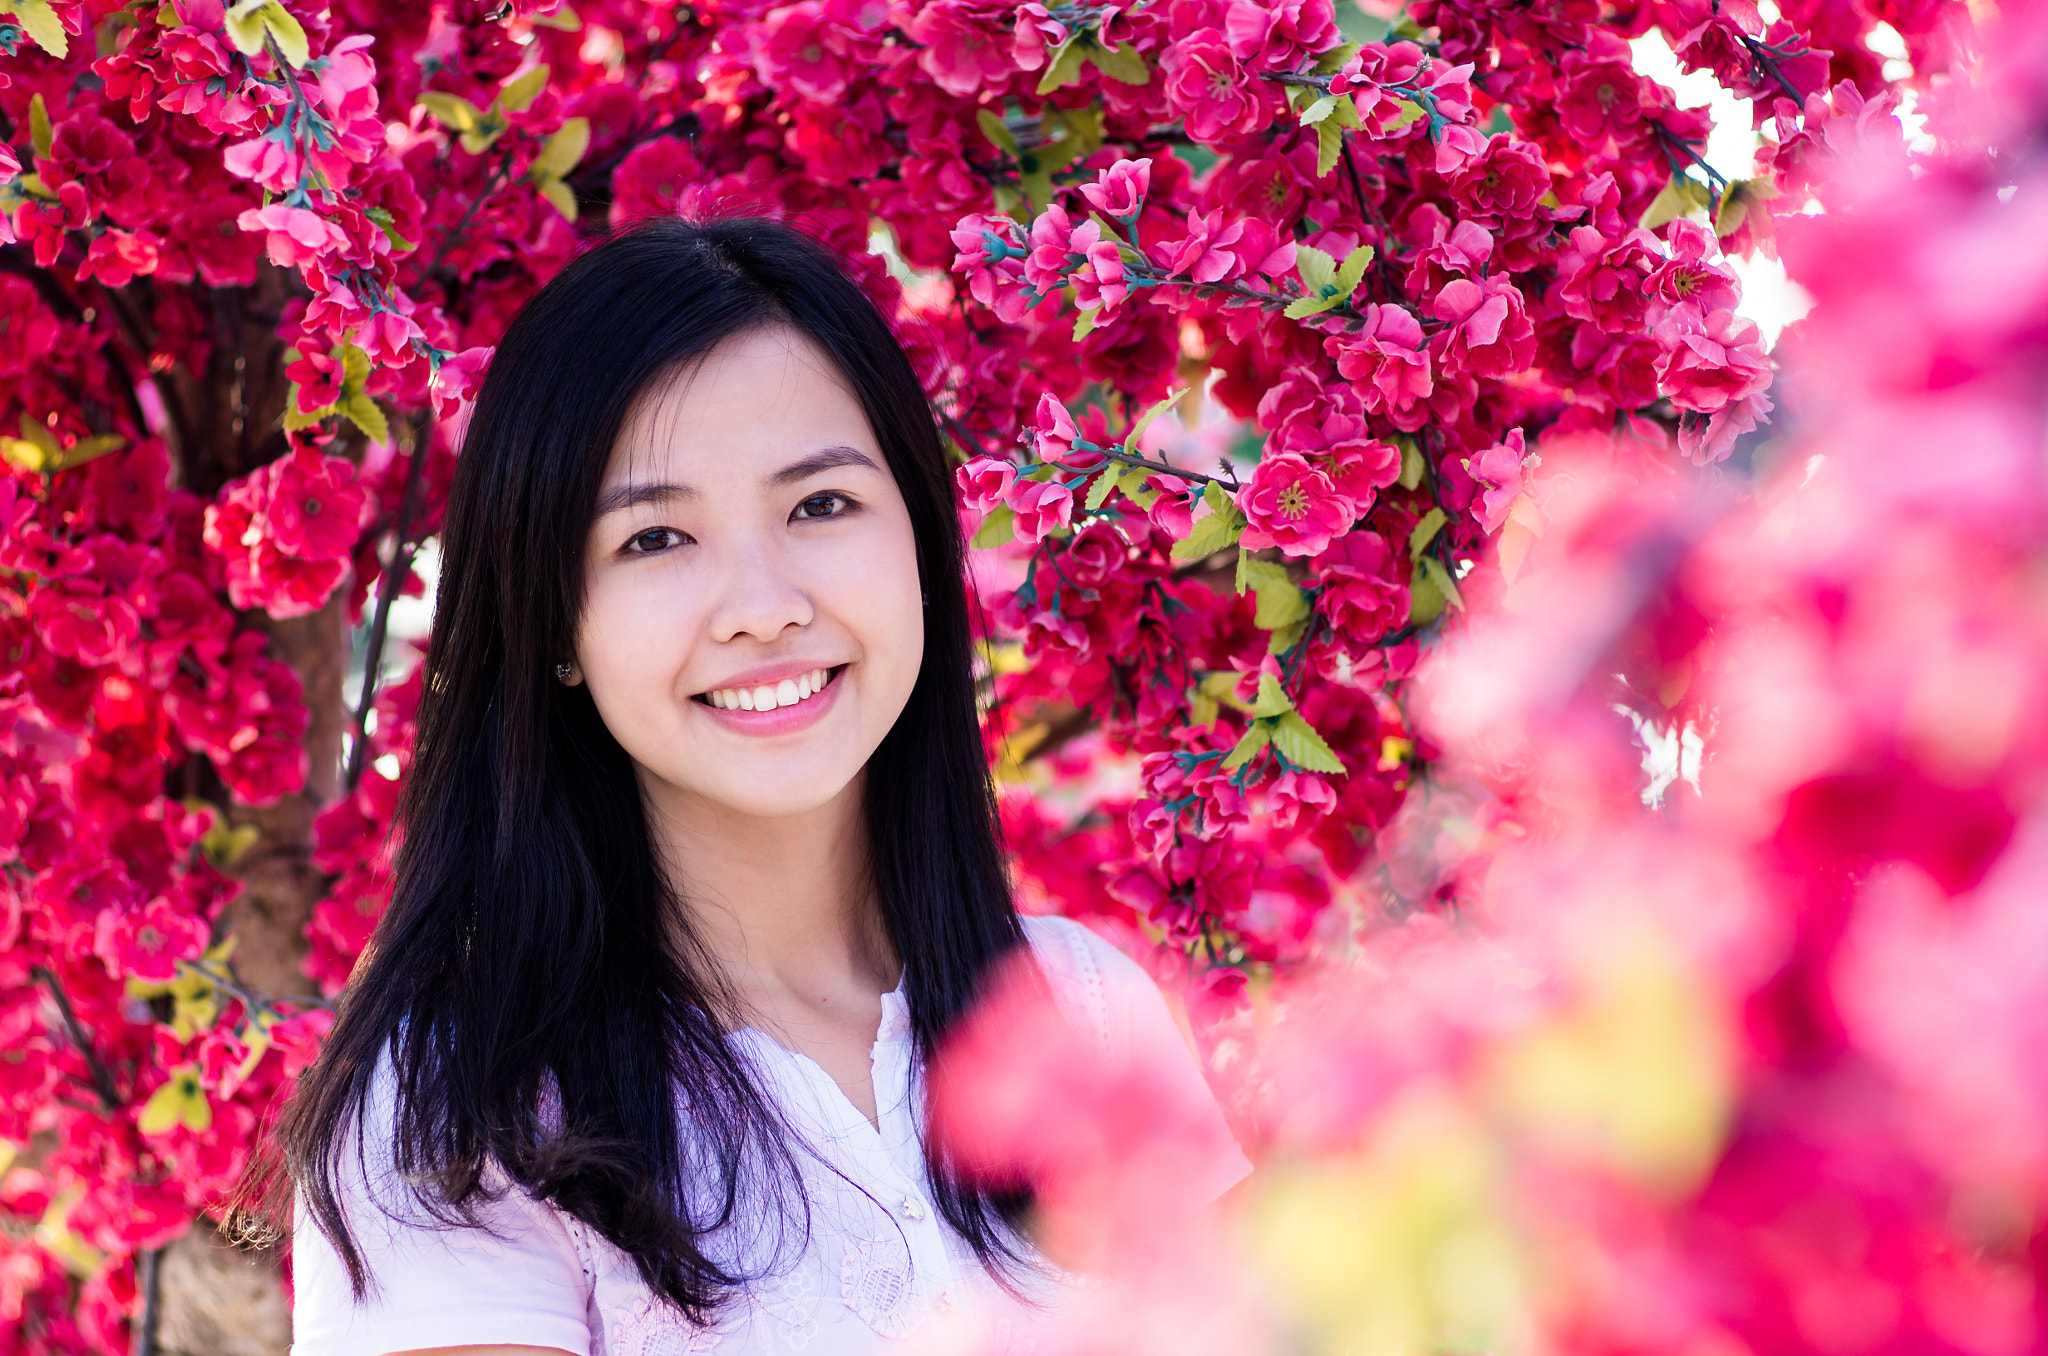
752,619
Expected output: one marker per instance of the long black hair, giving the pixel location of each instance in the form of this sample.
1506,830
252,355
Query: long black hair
540,1008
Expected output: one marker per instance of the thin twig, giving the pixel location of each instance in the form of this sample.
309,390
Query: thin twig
387,592
102,1081
149,1280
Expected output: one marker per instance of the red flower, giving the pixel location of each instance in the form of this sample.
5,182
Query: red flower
148,943
1294,506
1364,594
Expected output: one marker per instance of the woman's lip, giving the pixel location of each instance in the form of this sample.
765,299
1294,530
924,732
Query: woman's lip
769,676
783,719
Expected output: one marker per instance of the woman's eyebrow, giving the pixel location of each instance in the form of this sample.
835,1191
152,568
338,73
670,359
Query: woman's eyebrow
825,459
620,497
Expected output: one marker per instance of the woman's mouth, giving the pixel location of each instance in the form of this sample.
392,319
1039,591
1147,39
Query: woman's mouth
771,696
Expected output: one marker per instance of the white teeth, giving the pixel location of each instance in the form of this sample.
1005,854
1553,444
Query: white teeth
788,692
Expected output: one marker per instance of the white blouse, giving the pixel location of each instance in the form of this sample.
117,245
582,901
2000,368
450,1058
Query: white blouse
879,1261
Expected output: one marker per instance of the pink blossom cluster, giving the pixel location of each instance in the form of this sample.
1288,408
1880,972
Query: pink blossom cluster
256,257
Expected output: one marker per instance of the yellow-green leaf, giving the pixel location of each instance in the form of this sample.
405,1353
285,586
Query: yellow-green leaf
561,197
997,529
1412,463
1329,286
296,418
386,223
1425,599
1441,577
27,455
1425,532
1281,601
517,95
1332,61
1101,487
91,449
248,21
1246,748
368,416
452,111
563,20
1145,420
1084,323
1736,201
180,1101
1411,112
355,365
1136,490
1681,197
1300,745
39,133
1285,639
1123,65
996,130
562,152
1085,123
1065,67
40,22
1222,527
1273,699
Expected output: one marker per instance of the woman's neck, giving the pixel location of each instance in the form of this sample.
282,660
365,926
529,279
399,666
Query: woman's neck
785,907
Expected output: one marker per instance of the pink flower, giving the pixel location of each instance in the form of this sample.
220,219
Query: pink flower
296,236
798,49
985,483
1280,37
1386,358
1035,32
1055,430
298,1038
319,377
1688,276
1296,793
316,506
1100,280
1055,239
1119,191
1500,468
1711,438
148,943
1292,505
960,54
1216,99
1710,361
1504,182
457,381
1042,507
1487,330
1203,255
1598,92
1364,593
1610,286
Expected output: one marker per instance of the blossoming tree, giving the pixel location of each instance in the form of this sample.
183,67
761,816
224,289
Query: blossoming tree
257,253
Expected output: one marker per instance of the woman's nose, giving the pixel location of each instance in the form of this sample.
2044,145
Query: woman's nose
759,594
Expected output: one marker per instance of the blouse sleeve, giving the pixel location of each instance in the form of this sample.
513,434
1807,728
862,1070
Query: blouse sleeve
518,1280
1113,999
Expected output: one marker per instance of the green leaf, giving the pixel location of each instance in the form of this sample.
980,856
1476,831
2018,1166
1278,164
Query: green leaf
1101,488
999,528
561,197
1412,463
91,449
355,365
39,134
1425,599
1441,577
368,416
1736,202
1065,67
1681,197
1320,109
1300,745
452,111
562,152
563,20
40,22
1329,147
1281,601
998,133
1273,699
1411,112
1136,490
1332,61
518,95
1122,65
1425,532
1222,527
384,220
1145,420
180,1101
1286,638
1245,749
1317,269
1086,125
1084,323
296,419
248,21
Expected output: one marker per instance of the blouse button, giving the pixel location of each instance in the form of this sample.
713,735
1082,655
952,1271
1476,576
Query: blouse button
913,1208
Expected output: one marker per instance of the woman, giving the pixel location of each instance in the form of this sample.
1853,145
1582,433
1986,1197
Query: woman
699,860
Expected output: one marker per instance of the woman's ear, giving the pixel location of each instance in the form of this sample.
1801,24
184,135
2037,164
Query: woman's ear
568,674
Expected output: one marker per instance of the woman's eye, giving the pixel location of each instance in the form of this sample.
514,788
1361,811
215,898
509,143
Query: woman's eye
824,506
654,539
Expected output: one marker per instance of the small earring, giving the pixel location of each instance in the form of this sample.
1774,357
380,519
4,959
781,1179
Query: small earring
565,672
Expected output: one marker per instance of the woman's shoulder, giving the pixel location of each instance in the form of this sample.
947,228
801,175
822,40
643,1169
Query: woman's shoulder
1100,987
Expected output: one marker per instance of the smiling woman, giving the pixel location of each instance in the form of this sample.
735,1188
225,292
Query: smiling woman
699,861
